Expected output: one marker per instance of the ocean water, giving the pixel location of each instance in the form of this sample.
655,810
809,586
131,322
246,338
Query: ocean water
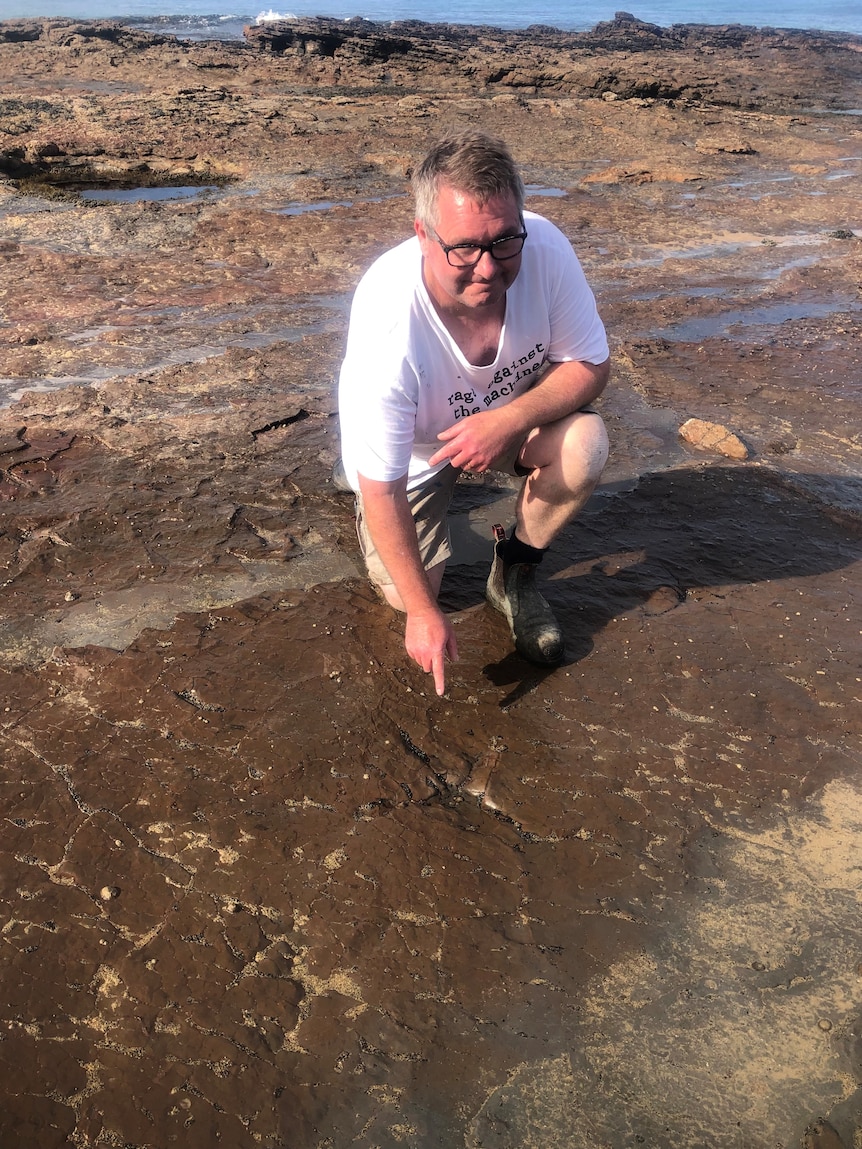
225,19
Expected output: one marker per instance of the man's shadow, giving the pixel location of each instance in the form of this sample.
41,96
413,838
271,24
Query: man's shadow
676,533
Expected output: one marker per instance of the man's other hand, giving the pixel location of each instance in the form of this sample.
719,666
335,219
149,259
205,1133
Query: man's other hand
473,443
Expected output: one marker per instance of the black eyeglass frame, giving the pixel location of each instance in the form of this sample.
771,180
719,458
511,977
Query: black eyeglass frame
482,248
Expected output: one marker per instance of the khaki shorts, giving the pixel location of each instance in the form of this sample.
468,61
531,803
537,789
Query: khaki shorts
429,505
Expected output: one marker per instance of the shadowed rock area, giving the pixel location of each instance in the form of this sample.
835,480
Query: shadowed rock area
261,887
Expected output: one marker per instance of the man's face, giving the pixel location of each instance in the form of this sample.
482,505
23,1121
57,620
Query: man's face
462,220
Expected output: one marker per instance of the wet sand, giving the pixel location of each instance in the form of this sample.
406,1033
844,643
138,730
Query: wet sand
262,887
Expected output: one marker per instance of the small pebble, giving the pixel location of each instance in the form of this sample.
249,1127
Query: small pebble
825,1024
108,893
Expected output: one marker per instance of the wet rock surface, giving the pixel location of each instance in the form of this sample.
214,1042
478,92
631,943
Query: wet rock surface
261,886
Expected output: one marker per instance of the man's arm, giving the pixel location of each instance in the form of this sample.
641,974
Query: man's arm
428,636
473,443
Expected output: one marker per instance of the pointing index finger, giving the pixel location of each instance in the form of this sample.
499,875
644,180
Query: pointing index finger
438,669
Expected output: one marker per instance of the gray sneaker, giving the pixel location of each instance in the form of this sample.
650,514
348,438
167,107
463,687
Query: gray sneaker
514,593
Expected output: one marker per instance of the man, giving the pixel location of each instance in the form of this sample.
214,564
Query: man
473,346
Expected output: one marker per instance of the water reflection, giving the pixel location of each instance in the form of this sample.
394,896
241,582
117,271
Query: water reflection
136,195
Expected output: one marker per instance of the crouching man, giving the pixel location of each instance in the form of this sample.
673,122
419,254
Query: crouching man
473,346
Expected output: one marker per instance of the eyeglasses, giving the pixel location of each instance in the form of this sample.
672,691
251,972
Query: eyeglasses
469,254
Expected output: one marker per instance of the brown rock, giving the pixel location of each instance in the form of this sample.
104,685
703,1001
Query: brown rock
713,437
734,146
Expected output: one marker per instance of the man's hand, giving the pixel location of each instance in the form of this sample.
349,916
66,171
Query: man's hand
473,443
429,638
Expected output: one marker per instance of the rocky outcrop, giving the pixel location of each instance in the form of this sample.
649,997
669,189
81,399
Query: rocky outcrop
594,62
625,33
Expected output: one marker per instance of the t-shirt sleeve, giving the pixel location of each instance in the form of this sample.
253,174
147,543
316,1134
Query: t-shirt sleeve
577,332
377,391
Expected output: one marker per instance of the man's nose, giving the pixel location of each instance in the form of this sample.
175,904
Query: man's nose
487,265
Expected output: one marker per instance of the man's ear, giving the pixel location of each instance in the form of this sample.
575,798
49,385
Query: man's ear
422,232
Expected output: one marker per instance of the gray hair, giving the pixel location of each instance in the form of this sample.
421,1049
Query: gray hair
477,165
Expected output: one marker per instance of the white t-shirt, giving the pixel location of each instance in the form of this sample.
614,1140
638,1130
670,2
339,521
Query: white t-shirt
404,379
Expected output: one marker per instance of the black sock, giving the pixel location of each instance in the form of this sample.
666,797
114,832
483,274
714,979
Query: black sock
512,550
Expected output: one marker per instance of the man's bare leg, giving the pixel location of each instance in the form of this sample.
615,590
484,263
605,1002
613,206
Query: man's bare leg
566,460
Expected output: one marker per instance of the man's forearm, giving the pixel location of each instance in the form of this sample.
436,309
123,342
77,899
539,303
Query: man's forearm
563,389
393,532
428,635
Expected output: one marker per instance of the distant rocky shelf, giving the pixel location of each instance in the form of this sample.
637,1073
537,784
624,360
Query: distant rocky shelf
624,33
764,69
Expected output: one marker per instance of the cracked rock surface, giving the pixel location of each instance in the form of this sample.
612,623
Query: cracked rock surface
260,886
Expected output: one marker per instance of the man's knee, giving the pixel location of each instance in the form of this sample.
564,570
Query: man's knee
584,448
570,453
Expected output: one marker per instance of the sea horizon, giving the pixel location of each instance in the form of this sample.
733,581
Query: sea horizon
226,19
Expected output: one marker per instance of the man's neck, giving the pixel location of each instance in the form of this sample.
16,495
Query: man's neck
476,330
